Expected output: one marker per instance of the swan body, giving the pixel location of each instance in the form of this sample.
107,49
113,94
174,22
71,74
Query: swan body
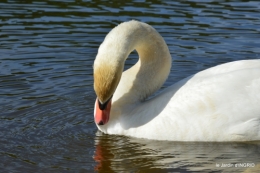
221,103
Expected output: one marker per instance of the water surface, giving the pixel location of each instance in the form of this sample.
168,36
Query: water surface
47,49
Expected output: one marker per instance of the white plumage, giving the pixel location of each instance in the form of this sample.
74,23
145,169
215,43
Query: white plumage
221,103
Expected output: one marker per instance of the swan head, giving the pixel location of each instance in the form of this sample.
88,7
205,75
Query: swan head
106,78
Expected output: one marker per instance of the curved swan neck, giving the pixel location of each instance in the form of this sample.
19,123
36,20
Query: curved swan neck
154,64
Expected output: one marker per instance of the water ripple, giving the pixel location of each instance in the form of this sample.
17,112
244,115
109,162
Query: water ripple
46,84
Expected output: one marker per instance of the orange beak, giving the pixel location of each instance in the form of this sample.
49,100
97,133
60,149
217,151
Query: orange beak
102,115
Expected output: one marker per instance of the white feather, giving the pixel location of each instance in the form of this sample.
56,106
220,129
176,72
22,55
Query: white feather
221,103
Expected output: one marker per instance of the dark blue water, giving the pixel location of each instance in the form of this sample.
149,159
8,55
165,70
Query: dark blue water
47,49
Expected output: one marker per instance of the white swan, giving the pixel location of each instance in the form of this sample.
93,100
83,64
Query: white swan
221,103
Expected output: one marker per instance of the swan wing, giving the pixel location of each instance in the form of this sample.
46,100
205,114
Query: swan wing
218,104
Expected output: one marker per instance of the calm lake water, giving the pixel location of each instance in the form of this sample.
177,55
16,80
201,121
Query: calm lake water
47,49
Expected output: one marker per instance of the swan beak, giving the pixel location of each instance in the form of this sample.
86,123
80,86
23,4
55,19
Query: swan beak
102,112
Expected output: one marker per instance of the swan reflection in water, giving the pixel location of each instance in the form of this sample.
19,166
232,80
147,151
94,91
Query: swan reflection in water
118,153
